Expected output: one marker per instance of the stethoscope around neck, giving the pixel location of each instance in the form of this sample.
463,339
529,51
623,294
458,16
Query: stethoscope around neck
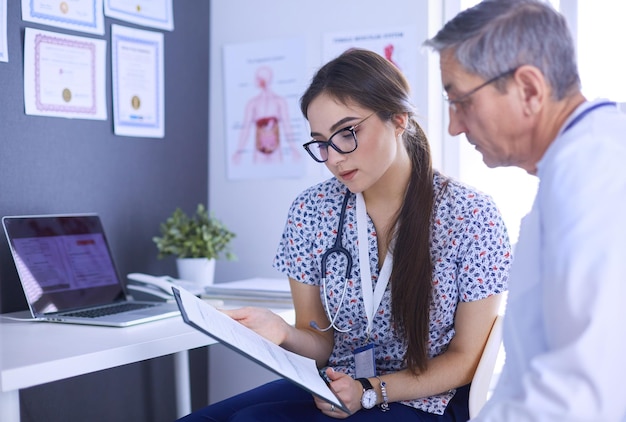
337,248
582,114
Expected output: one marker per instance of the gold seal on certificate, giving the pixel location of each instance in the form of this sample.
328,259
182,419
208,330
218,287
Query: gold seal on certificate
64,7
67,95
135,102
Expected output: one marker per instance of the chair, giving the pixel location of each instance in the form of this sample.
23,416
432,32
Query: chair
481,381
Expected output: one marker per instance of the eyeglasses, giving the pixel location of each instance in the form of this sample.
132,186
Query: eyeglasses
459,104
343,141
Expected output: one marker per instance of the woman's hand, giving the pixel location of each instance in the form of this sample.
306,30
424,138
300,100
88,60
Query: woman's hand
299,338
263,321
347,389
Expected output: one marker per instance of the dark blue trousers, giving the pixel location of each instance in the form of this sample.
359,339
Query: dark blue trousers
282,400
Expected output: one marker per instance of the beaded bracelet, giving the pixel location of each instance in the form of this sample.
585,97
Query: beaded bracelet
384,406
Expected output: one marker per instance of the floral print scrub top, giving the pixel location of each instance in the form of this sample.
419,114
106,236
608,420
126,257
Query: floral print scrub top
471,258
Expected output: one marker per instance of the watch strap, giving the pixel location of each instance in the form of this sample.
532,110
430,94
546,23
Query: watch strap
367,385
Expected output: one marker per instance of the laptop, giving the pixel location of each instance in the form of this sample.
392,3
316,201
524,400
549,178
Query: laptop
67,272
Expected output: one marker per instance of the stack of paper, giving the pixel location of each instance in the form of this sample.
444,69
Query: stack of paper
274,291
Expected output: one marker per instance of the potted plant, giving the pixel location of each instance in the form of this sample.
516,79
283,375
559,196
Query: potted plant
196,241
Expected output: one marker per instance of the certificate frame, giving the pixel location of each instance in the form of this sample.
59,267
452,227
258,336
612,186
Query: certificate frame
4,53
64,75
141,124
90,17
146,16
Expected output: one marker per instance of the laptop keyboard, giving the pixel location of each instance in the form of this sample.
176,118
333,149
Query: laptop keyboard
109,310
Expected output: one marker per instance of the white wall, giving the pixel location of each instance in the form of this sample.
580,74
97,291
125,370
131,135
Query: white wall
256,209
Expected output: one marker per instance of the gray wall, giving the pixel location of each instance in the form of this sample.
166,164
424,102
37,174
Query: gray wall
51,165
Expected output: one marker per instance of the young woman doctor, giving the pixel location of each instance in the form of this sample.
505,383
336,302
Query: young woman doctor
396,271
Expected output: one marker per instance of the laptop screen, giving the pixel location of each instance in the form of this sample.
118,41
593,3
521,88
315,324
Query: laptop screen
63,261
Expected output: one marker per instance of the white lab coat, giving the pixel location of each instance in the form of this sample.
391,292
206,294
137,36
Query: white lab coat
565,322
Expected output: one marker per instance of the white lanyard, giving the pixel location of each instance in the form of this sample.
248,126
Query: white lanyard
371,297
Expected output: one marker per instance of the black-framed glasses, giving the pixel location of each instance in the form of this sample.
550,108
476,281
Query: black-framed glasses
458,104
343,141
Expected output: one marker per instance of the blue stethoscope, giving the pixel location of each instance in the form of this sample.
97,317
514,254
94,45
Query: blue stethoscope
336,249
578,118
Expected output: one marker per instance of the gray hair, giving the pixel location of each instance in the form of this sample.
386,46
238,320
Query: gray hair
499,35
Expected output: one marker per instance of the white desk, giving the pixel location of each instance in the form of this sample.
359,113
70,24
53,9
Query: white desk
34,353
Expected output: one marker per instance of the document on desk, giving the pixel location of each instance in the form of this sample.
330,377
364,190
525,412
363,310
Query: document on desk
271,291
298,369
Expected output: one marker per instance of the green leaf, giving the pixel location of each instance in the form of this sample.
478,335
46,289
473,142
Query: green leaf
200,235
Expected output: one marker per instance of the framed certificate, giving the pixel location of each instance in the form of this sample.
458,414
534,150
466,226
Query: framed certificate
154,13
64,75
138,87
77,15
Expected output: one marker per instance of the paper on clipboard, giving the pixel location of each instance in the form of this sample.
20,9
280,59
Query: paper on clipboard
296,368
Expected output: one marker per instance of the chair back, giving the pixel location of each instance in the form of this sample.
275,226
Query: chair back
481,381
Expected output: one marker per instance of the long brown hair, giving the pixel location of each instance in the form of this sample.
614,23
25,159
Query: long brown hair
365,78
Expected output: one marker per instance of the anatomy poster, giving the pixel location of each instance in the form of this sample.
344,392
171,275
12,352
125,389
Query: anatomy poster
398,45
265,129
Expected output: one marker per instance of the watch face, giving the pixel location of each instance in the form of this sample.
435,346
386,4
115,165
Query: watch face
369,399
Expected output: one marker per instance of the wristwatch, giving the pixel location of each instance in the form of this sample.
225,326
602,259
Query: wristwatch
368,399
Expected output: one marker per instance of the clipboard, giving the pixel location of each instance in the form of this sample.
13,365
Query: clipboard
296,368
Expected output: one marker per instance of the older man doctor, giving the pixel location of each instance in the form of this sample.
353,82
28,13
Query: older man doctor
510,75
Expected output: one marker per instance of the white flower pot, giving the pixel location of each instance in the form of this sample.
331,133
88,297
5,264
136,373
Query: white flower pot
199,270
